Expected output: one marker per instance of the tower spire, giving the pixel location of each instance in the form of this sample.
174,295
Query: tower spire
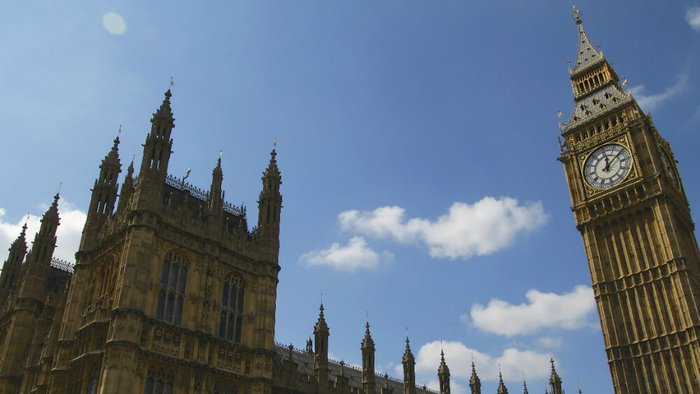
104,195
12,266
444,374
409,370
554,380
474,381
321,334
595,83
127,188
158,145
502,389
587,54
216,195
368,375
270,200
33,278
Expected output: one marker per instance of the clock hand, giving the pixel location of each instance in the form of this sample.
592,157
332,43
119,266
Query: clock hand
614,157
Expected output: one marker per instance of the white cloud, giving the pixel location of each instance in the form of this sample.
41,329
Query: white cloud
549,342
652,101
466,230
355,255
513,363
114,23
692,16
68,234
543,310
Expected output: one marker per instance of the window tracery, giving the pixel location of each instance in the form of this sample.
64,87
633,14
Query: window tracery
231,316
171,294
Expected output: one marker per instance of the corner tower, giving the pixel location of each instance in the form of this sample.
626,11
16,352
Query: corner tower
173,291
633,214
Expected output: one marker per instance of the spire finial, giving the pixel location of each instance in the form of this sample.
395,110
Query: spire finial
577,15
116,139
172,83
60,183
274,143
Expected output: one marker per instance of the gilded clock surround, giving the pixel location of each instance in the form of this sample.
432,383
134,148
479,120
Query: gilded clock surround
631,175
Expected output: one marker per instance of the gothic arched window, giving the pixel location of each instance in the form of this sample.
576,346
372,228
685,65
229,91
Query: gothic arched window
158,382
171,294
221,388
231,317
92,382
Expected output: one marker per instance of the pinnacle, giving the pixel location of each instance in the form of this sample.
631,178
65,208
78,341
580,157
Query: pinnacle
51,214
164,111
130,169
21,240
218,169
113,155
54,204
408,355
115,147
321,323
272,168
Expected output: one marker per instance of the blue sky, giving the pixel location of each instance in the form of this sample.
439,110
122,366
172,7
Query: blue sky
417,143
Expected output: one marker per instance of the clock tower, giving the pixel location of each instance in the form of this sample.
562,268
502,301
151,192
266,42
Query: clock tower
630,207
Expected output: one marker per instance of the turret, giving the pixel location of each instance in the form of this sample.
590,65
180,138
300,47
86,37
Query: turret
554,380
310,346
368,375
216,195
502,389
270,201
409,370
13,264
33,279
127,188
321,334
148,191
474,381
104,196
444,375
157,148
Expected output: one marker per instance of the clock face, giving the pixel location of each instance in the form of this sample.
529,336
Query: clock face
670,171
607,166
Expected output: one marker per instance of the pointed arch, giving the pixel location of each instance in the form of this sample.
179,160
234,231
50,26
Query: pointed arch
171,294
231,309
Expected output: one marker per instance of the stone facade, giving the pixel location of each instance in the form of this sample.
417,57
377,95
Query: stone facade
170,293
631,209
